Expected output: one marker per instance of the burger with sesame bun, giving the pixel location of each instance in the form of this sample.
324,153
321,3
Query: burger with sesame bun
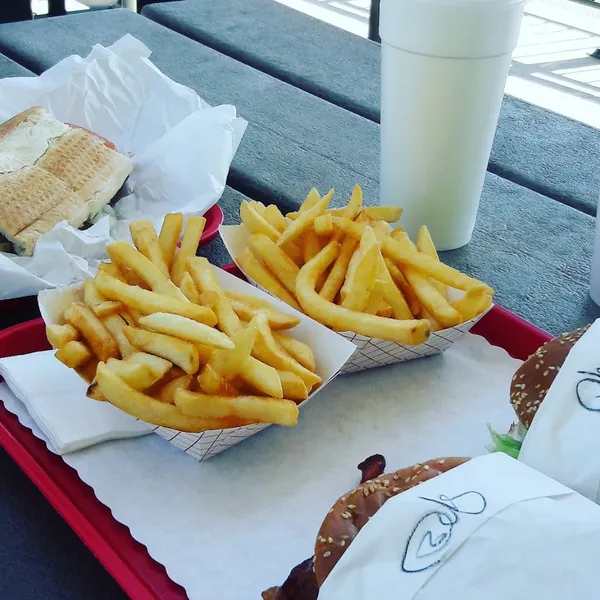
348,516
529,387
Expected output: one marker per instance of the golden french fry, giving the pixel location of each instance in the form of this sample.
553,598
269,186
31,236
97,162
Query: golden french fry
254,269
311,245
158,366
361,281
135,375
367,241
188,287
277,320
147,302
274,217
189,245
166,393
296,349
389,214
270,352
59,335
262,377
256,224
323,225
260,208
74,354
93,392
312,198
404,287
376,298
278,262
403,252
411,332
107,308
336,276
146,241
112,270
425,244
186,329
208,298
131,260
473,303
385,310
304,221
203,276
143,407
391,294
87,372
251,408
431,299
229,363
179,352
92,330
209,380
293,386
169,236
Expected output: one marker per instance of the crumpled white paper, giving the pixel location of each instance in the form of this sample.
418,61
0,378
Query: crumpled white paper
180,146
491,528
563,437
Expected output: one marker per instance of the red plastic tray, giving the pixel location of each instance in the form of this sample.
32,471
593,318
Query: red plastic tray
125,559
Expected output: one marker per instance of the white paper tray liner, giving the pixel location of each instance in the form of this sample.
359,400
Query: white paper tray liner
235,525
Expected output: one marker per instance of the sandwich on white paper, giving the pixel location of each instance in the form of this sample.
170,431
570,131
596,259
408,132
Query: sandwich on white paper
490,527
52,172
556,395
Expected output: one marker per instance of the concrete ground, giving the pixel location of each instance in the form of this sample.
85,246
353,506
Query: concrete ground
552,66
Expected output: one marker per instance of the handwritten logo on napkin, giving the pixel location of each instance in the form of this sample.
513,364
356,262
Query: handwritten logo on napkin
588,390
433,532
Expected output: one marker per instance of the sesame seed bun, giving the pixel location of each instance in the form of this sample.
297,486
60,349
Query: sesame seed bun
533,378
352,511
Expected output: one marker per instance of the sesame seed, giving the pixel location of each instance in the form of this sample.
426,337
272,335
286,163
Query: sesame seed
326,554
346,515
538,386
330,511
414,477
395,490
386,483
514,377
345,537
426,467
343,543
395,477
551,368
407,480
365,491
351,506
343,498
545,373
537,367
330,540
372,488
322,540
416,467
528,404
388,494
442,461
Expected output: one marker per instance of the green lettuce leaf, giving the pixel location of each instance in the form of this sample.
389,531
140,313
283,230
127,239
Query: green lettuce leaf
510,443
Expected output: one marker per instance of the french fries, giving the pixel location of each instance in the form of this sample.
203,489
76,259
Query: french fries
154,334
372,281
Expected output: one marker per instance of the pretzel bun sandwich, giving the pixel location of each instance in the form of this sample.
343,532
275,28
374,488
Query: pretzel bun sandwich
52,172
529,387
345,520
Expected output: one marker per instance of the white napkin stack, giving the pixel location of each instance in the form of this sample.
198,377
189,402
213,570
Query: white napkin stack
55,398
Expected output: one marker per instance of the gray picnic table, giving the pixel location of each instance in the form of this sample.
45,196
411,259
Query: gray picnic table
310,94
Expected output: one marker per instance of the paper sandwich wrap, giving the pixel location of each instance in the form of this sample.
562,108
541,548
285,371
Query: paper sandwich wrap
491,528
330,349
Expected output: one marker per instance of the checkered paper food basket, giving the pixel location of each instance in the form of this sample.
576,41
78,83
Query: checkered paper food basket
331,352
370,352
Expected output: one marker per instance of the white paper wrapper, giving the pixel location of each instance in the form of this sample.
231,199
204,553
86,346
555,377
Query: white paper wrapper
330,349
370,352
564,438
491,528
180,146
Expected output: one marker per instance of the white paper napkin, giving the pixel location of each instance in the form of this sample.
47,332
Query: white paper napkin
180,146
492,528
564,438
55,398
257,508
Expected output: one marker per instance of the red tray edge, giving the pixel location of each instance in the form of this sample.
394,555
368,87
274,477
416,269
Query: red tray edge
148,579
